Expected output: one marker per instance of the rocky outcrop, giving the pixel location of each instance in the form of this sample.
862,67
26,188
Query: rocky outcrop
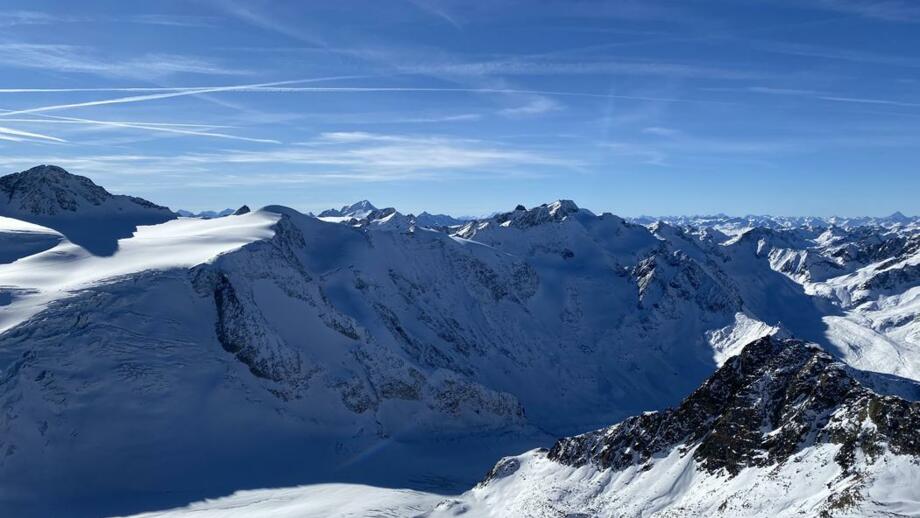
759,409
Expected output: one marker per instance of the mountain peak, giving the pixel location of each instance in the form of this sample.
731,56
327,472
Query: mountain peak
48,190
562,206
777,397
357,210
50,196
898,217
361,205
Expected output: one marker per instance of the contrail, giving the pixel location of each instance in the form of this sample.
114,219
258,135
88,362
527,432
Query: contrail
162,129
167,95
276,88
13,133
165,124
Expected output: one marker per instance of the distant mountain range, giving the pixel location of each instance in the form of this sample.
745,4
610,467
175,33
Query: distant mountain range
734,224
696,366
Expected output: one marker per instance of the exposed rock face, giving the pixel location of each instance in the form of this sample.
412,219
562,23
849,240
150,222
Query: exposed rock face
357,210
376,329
522,218
82,211
48,190
759,409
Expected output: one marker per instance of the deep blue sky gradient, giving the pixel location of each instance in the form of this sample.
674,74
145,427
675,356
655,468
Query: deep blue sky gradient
805,107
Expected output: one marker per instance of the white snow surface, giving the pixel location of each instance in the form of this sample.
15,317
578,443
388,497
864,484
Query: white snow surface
668,486
35,281
298,349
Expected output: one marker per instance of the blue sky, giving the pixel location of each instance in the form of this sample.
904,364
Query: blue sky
789,107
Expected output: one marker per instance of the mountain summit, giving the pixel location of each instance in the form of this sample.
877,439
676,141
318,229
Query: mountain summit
782,429
359,210
82,211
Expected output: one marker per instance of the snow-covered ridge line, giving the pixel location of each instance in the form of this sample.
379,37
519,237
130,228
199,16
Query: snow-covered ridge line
31,283
275,331
737,224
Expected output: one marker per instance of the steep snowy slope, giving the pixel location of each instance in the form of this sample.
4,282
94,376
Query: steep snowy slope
34,281
779,430
20,239
76,207
351,337
292,349
357,210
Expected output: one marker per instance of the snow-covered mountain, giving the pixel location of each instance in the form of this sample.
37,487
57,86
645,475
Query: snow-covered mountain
737,224
205,214
780,430
76,207
364,213
357,210
270,348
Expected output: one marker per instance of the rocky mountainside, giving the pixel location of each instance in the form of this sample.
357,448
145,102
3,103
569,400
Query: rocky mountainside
76,207
782,429
47,191
378,338
761,407
364,213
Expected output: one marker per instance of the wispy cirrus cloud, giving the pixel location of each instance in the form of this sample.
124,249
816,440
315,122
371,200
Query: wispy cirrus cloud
836,54
70,58
376,155
546,67
668,145
26,17
281,87
431,7
888,10
381,55
821,96
660,131
326,158
537,106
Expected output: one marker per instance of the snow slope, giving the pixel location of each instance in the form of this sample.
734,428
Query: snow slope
32,282
20,239
73,205
293,349
804,439
539,487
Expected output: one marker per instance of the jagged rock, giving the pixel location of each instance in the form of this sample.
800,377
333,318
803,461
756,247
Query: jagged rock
759,409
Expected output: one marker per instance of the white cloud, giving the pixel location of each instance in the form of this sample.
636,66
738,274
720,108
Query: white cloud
536,106
431,7
329,157
543,67
69,58
661,132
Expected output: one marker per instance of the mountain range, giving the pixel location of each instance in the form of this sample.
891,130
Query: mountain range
694,366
